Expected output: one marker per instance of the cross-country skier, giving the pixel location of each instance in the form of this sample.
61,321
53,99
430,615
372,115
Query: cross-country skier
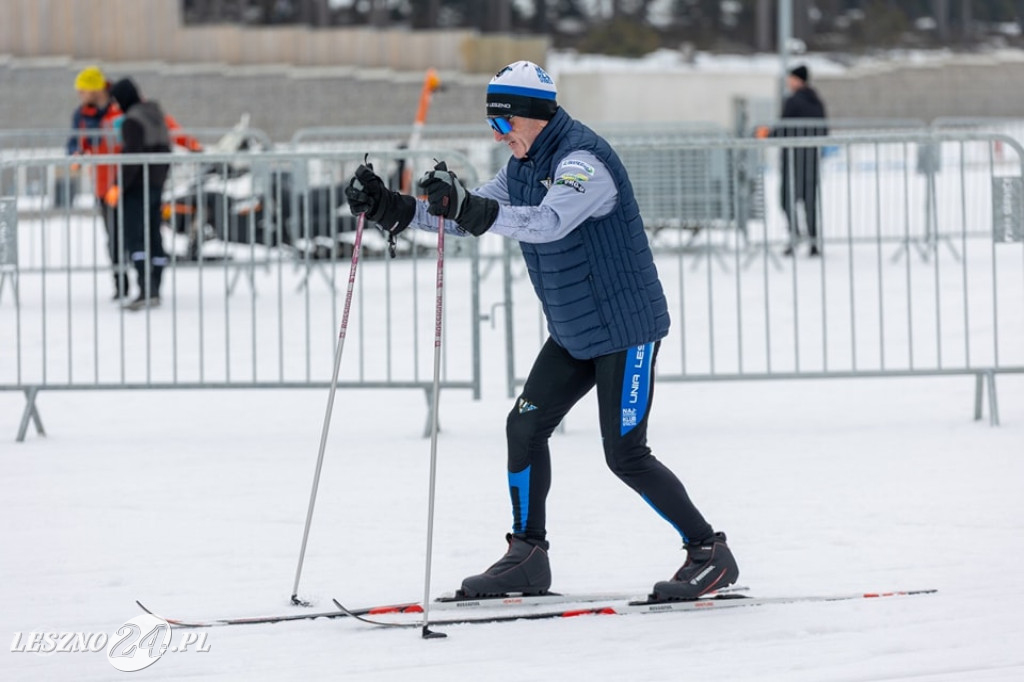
566,198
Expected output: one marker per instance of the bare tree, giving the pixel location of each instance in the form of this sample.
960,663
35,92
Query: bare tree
425,13
378,13
966,21
539,22
764,25
709,23
500,16
801,20
320,13
633,9
940,9
207,10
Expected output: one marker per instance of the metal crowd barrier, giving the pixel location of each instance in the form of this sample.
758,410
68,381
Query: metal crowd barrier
68,186
475,141
45,141
1012,127
59,329
846,126
693,188
921,272
690,189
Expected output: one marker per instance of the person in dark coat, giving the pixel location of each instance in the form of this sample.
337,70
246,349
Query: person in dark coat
144,131
800,165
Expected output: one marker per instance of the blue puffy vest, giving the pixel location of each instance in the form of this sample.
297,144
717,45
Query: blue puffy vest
598,285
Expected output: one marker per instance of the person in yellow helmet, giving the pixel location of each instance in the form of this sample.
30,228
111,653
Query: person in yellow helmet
90,79
93,123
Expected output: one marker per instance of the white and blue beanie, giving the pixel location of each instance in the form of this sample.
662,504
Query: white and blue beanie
522,89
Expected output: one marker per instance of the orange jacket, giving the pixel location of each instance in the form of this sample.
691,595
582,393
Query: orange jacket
104,143
187,141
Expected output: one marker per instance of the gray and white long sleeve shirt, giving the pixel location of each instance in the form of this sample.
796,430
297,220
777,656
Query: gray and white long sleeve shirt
581,189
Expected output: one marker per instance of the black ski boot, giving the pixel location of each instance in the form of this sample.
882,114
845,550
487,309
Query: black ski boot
524,569
152,300
121,286
709,566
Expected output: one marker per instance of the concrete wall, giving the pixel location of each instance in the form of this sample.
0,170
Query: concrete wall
624,97
990,85
39,93
953,85
129,30
288,78
282,99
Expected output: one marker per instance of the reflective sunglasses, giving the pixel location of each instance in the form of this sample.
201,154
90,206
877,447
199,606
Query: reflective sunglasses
500,124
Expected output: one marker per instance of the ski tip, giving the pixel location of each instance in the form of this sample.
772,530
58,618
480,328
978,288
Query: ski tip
169,621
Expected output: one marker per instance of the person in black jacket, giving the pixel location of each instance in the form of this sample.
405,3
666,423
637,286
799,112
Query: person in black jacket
800,171
140,186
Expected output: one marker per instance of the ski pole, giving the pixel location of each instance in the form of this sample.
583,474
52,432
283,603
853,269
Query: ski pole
360,221
438,310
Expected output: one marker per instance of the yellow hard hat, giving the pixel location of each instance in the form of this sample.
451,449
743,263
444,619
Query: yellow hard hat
90,79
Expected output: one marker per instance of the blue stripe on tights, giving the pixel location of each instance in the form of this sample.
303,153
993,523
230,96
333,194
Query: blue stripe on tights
662,515
636,386
519,488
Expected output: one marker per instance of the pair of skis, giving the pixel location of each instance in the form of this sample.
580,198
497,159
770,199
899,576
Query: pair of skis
543,607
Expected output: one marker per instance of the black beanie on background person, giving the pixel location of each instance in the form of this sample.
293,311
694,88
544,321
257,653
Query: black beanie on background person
126,94
801,73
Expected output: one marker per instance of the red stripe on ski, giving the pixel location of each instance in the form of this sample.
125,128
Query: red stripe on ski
589,612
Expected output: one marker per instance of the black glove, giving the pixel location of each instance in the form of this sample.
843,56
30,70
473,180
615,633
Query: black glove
447,196
367,194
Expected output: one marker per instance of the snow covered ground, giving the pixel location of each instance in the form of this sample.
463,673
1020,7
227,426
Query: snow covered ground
194,503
